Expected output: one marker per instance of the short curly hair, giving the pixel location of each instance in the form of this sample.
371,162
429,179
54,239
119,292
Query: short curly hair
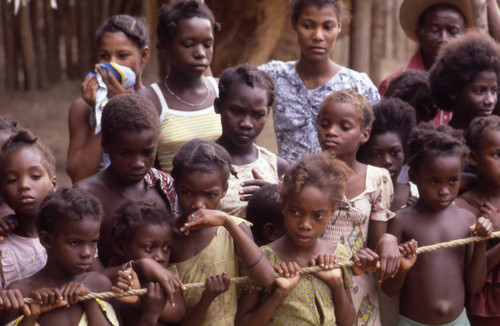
170,15
264,207
412,87
67,205
133,28
129,112
352,97
391,115
427,140
132,216
320,170
24,138
340,9
478,129
457,64
247,75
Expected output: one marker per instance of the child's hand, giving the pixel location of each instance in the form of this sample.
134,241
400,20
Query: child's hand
46,300
204,218
482,227
13,300
155,300
330,275
216,285
72,290
390,258
408,252
113,85
154,272
365,260
290,278
89,90
490,212
251,186
124,281
411,200
7,225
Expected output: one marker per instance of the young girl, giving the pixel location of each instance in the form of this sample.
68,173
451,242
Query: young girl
465,78
141,230
344,121
27,175
185,97
483,139
121,39
246,95
207,241
301,85
386,148
311,190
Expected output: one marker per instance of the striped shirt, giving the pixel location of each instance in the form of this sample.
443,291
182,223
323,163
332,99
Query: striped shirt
179,127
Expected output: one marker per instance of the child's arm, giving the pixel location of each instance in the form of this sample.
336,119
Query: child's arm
393,285
490,212
250,312
386,246
152,305
475,271
259,268
214,286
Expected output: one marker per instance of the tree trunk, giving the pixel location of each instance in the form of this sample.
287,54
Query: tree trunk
84,30
37,28
480,15
66,15
360,36
377,40
52,33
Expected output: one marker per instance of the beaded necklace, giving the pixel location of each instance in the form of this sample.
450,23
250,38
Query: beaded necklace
185,102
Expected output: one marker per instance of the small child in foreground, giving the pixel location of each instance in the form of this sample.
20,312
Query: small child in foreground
311,191
68,225
27,175
433,287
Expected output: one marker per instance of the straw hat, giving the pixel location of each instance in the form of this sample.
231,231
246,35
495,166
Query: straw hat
412,9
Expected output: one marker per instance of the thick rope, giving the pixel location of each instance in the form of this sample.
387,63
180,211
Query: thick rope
305,270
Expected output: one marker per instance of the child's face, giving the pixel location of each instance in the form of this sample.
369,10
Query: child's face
190,51
131,154
487,160
152,241
386,151
73,244
25,181
438,181
317,30
243,114
199,189
117,47
479,97
306,215
340,130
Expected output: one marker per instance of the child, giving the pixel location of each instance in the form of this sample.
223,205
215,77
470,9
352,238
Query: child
311,190
207,241
301,85
465,78
185,97
386,148
246,95
121,39
412,86
8,220
483,140
142,230
433,287
27,170
344,121
265,213
68,225
129,136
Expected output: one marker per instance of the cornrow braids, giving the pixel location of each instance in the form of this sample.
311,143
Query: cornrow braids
478,129
427,140
134,28
202,155
320,170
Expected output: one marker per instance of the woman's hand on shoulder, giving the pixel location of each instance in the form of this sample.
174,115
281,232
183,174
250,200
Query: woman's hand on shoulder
290,278
204,218
332,276
365,260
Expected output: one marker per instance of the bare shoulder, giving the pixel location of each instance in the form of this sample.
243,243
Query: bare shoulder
93,184
326,247
96,281
79,108
151,95
26,286
461,214
282,165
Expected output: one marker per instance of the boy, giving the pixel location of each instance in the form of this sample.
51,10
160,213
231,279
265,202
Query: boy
433,289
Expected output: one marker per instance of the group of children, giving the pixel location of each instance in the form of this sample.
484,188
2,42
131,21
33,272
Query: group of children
380,187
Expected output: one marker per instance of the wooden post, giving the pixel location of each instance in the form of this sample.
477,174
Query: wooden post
27,48
377,40
9,44
481,15
39,43
359,58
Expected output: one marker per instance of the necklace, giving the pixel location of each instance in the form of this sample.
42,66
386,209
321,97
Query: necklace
187,103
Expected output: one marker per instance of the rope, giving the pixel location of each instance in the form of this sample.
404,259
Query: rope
305,270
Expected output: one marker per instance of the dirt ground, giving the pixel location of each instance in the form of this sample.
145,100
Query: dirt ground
46,114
